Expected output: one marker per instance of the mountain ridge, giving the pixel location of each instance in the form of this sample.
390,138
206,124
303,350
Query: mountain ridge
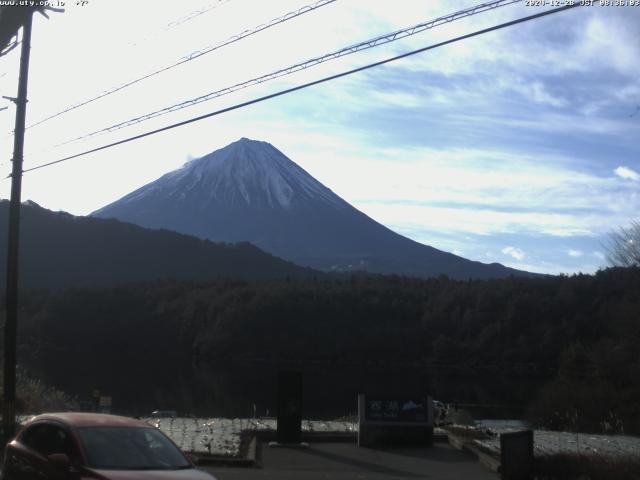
58,249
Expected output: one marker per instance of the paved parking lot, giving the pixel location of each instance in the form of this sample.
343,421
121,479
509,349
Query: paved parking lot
339,461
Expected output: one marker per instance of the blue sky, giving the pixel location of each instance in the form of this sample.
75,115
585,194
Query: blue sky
519,146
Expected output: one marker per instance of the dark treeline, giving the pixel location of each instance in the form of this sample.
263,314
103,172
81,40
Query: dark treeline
582,332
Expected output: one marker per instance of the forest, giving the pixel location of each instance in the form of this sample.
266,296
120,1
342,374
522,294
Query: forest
580,333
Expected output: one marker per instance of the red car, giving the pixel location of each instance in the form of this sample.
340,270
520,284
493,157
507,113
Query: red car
83,446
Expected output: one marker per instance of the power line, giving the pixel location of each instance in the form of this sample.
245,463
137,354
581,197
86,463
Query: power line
306,85
192,56
370,43
184,19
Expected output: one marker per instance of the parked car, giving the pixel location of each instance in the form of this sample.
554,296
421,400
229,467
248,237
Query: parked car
78,446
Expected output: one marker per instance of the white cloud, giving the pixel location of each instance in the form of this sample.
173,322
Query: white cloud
599,255
461,191
514,252
626,172
396,99
462,220
575,253
535,91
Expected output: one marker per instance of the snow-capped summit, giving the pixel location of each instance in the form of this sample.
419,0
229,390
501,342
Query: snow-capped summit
244,173
250,191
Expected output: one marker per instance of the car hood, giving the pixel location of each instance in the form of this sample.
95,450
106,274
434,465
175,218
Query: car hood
189,474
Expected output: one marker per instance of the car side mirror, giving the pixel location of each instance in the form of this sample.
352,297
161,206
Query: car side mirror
60,461
192,458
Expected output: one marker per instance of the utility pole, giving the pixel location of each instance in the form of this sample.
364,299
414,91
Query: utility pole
10,326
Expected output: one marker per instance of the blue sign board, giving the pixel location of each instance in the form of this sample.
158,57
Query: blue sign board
396,410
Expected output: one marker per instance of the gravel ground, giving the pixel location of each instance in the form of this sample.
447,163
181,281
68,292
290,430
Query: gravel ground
222,436
549,443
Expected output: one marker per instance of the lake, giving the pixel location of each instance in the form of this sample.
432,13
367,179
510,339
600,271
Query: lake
233,390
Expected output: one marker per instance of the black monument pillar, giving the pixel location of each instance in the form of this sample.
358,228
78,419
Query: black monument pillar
289,407
516,455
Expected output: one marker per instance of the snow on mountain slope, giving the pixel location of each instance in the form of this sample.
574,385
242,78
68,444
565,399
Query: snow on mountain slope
244,173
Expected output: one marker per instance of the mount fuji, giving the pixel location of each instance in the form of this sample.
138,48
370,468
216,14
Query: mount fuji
250,191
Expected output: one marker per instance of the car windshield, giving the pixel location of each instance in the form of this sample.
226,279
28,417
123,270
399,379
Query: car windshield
130,448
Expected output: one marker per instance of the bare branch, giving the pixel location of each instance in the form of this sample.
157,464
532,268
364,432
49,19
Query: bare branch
623,246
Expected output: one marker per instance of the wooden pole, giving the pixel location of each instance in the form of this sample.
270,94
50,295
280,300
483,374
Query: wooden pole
10,327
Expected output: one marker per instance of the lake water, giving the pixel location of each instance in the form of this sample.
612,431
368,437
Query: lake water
228,390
